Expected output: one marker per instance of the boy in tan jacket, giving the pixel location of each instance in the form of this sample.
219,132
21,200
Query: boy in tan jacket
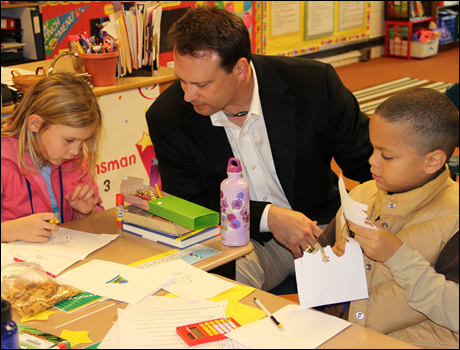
412,260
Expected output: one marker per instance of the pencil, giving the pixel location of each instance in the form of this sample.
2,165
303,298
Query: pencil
264,309
53,221
158,190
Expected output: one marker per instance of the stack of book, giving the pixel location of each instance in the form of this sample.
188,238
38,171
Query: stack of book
144,224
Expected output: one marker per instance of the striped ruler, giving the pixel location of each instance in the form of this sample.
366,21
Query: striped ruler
369,98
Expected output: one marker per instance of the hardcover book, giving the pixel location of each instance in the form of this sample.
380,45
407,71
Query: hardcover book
137,216
181,242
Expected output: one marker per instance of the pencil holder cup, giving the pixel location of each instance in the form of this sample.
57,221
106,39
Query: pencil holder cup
101,66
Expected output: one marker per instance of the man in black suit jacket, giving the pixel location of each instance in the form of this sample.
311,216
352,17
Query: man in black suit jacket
284,117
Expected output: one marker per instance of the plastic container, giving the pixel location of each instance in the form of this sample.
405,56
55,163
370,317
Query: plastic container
420,49
234,206
10,338
101,66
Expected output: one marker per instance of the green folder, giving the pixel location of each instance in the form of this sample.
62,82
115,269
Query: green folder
184,213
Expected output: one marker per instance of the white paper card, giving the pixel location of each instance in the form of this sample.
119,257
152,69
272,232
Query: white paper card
303,329
352,210
116,281
341,279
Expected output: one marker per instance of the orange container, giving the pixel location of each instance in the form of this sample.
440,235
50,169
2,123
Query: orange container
101,66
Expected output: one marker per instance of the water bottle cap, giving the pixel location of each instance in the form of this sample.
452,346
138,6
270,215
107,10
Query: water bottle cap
234,166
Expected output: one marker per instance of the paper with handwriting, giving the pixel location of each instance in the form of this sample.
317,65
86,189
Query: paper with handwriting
156,303
190,282
154,329
50,262
70,243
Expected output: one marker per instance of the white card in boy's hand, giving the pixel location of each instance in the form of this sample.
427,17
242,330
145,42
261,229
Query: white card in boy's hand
352,210
340,280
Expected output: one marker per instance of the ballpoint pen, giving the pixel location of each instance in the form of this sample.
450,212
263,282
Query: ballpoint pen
264,309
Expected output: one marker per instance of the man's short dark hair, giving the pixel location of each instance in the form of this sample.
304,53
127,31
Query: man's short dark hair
204,29
429,117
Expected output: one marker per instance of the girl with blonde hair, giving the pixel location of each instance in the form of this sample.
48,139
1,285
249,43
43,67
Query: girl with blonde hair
48,158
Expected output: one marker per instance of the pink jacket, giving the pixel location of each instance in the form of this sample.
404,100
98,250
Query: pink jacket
15,195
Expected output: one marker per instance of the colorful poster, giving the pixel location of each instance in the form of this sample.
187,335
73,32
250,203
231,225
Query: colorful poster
56,29
61,18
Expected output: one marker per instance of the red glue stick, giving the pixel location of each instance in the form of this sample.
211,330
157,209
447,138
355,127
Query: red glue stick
120,203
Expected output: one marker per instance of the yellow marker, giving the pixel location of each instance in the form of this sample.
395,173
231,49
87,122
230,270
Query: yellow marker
54,221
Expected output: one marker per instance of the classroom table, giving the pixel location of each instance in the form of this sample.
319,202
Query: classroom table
128,248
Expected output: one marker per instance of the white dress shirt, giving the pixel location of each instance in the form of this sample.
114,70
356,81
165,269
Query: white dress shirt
251,146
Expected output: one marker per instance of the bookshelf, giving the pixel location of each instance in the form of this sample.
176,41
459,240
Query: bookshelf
401,19
30,32
436,7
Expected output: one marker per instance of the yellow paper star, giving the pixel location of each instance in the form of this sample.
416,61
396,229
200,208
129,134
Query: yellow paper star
76,338
41,316
145,141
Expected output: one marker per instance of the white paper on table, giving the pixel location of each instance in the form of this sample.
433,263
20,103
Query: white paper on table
191,283
140,329
50,262
96,275
70,243
303,329
352,210
341,279
156,303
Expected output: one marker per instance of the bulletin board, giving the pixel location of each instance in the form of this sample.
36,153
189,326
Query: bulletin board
291,28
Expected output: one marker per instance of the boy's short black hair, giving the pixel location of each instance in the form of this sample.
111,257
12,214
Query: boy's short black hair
430,118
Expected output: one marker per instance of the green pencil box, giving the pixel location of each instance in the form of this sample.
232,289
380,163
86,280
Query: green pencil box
172,208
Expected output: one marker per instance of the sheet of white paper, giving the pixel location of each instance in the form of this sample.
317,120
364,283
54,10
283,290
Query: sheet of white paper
70,243
303,329
139,329
111,340
339,280
353,210
191,283
106,278
50,262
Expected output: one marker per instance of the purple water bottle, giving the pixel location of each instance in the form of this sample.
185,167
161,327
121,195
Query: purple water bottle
234,206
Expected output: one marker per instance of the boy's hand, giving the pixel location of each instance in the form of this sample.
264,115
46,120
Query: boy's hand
33,228
82,199
378,245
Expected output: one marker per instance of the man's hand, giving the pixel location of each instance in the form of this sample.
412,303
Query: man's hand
378,245
292,229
